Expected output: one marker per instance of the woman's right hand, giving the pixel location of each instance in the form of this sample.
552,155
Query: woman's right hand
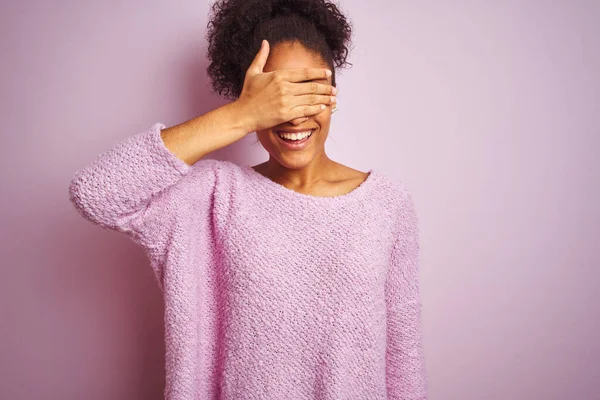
272,98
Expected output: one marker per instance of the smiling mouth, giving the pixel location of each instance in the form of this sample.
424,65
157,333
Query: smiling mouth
295,137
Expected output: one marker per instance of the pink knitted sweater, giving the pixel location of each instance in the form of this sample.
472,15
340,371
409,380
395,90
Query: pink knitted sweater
268,293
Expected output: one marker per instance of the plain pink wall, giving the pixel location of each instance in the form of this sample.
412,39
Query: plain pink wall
489,111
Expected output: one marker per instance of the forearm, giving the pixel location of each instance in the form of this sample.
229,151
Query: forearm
190,141
406,369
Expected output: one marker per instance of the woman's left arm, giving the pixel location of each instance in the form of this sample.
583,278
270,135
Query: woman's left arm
405,362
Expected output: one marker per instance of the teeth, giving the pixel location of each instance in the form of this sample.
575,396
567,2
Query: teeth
295,136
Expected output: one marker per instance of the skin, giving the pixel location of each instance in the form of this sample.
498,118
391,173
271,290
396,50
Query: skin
309,171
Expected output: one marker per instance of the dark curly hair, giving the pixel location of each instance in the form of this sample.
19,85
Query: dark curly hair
236,29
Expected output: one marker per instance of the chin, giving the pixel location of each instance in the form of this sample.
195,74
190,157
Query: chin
294,161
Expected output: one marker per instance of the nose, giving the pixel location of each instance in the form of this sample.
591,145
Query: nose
298,121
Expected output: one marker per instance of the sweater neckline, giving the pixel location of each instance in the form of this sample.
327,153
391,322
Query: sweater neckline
356,192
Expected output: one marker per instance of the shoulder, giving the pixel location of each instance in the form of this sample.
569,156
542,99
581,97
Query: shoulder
204,178
396,190
220,177
399,197
213,169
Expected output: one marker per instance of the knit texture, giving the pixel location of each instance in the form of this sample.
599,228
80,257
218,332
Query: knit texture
268,293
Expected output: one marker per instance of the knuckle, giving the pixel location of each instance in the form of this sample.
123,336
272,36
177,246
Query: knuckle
313,87
284,89
281,103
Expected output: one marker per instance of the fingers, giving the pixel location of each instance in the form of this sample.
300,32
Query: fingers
313,99
307,111
312,88
258,64
303,74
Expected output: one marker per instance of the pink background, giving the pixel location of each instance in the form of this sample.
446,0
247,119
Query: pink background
489,112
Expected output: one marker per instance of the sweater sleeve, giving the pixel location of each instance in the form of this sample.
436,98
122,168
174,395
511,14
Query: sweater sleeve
131,188
405,362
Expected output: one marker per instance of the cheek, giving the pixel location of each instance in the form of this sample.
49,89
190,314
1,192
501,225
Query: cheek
323,119
264,135
264,138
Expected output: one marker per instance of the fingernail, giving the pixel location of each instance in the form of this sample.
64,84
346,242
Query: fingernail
328,72
323,106
333,100
334,91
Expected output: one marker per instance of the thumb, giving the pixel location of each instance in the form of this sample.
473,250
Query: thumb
260,60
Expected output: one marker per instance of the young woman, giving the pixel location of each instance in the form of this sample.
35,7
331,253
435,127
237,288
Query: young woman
293,279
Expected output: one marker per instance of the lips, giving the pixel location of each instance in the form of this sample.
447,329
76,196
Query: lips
294,144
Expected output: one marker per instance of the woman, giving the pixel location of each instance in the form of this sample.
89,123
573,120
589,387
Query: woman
293,279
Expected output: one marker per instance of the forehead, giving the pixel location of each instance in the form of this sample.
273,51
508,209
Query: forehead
291,55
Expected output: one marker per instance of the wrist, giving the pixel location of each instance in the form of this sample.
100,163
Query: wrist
241,117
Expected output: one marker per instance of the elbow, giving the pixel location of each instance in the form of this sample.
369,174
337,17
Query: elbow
85,198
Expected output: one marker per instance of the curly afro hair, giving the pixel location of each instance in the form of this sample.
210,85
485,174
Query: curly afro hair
237,27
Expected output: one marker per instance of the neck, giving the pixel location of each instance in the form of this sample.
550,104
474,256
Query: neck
317,170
